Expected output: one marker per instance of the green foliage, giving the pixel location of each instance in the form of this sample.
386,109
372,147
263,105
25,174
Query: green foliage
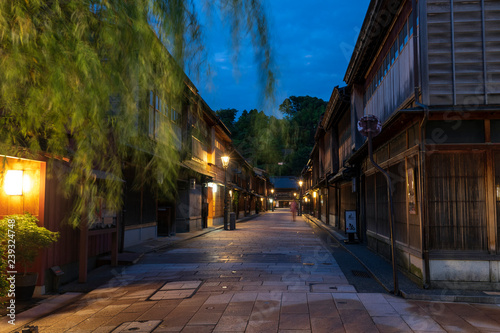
235,201
75,75
228,116
29,238
269,142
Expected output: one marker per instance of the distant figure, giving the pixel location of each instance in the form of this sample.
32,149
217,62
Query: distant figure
293,208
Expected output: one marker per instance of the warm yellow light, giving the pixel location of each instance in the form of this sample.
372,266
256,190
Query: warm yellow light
230,193
225,161
261,199
272,190
271,200
27,185
300,183
294,194
314,194
13,182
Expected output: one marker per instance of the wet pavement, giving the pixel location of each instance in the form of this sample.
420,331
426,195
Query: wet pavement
268,275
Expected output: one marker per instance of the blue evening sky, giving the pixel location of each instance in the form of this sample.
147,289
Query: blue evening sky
312,42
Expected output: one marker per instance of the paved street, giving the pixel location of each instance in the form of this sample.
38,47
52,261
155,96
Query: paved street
269,275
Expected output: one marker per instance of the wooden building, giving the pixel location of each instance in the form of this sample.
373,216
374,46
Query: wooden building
430,71
286,189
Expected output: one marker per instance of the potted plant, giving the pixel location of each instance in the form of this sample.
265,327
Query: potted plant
29,240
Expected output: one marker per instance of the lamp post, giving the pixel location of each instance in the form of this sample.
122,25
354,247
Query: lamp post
300,197
370,127
272,202
225,164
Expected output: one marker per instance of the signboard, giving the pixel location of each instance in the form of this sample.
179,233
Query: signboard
350,221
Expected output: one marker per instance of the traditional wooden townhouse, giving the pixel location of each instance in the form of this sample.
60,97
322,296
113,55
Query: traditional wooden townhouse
205,139
215,197
285,189
430,71
261,189
329,179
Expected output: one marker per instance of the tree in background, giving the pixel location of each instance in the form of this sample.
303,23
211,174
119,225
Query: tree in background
228,117
73,73
281,146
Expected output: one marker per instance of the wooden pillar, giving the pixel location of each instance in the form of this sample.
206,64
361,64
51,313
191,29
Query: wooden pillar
84,250
491,203
114,247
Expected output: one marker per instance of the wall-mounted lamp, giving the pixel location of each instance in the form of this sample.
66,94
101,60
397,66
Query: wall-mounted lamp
13,182
213,186
314,194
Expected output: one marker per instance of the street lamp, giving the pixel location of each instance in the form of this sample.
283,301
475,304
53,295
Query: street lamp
370,127
272,203
225,164
300,197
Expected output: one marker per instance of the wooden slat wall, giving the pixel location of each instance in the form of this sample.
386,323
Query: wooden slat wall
463,53
57,209
456,201
382,205
492,42
395,88
398,179
328,152
371,207
347,202
345,137
414,219
497,194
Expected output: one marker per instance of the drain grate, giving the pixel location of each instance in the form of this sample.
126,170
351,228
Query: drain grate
362,274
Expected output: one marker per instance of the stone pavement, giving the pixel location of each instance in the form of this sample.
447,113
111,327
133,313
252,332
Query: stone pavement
381,270
269,275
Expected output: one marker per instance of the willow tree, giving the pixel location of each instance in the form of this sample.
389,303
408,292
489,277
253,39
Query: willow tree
73,74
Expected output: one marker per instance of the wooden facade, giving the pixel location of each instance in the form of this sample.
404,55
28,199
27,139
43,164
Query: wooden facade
429,71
